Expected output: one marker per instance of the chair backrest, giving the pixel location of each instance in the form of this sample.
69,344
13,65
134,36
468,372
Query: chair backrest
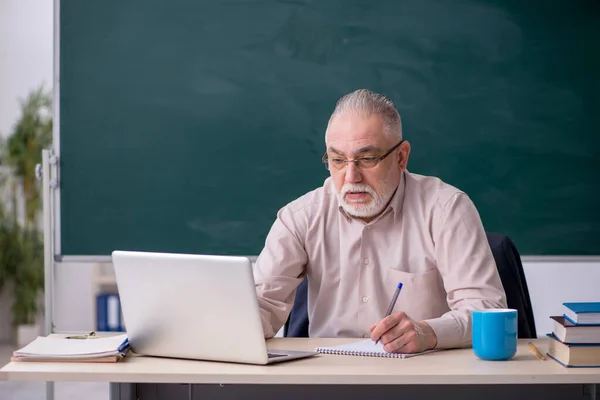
508,262
510,269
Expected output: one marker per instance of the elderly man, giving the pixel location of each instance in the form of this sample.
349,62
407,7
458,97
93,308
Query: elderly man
371,226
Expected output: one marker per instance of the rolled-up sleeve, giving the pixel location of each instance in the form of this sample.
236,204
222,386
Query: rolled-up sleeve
278,271
468,269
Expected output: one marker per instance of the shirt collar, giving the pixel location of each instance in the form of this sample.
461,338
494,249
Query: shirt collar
397,201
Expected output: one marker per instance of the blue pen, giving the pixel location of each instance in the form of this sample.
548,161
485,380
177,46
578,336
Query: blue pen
392,303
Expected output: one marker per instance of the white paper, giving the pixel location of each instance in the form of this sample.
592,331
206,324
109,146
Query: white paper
72,348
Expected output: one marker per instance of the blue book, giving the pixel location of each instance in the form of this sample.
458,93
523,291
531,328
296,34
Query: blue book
583,313
573,355
109,316
568,332
101,313
113,313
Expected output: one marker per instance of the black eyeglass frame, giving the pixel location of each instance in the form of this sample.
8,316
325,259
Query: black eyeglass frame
356,161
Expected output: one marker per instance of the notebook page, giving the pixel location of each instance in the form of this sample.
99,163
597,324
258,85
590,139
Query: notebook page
362,348
59,347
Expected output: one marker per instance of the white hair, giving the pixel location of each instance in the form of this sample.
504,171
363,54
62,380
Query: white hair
369,103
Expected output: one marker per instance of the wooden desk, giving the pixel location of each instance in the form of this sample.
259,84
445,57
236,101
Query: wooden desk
448,367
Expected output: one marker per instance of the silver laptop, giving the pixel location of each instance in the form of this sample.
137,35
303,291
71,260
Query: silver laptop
199,307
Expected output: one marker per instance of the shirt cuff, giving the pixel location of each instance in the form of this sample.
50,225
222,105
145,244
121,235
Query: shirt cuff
267,327
447,332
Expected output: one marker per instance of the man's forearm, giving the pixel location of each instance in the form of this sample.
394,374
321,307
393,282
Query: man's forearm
452,330
273,311
265,319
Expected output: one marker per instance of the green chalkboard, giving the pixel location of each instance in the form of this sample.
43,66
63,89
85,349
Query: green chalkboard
185,125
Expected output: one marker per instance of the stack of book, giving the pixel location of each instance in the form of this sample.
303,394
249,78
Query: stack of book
85,348
575,339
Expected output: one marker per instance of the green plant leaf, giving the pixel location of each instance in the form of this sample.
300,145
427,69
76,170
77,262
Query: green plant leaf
22,247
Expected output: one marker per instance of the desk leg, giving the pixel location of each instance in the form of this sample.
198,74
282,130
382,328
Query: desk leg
593,391
49,390
122,391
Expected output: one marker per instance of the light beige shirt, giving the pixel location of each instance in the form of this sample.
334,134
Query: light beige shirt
430,238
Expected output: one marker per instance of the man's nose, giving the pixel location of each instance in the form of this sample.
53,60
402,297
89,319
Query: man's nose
353,174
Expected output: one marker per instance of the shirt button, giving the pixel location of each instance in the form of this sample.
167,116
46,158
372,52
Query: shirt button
365,299
366,261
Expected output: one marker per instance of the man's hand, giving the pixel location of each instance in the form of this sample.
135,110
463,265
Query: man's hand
400,334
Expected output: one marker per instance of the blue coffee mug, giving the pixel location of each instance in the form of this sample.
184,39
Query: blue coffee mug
494,334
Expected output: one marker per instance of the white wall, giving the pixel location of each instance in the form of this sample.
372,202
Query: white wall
553,283
26,38
73,297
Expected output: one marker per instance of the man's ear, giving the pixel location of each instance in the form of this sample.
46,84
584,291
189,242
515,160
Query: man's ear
403,153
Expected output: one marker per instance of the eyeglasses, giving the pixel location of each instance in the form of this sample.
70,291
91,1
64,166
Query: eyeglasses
337,163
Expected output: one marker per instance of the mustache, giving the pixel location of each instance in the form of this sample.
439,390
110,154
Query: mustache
348,188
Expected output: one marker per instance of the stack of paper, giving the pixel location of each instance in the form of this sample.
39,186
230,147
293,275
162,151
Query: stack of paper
97,349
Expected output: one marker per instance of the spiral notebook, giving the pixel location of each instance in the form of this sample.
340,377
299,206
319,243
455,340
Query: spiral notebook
362,348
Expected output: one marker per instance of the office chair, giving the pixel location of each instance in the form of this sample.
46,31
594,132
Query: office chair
510,269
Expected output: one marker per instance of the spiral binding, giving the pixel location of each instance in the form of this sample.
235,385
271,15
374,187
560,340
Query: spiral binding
325,350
